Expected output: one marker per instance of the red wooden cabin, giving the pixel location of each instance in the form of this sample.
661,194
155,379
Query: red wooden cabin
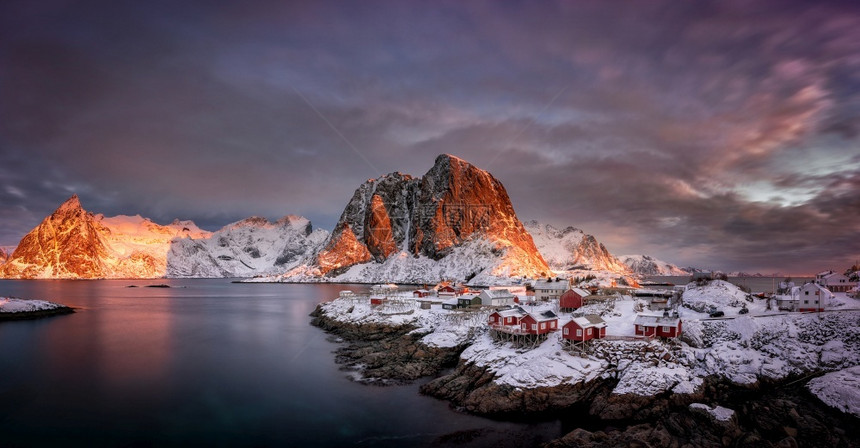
586,328
660,326
573,299
543,323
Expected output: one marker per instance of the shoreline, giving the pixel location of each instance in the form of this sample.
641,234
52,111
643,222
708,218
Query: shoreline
662,419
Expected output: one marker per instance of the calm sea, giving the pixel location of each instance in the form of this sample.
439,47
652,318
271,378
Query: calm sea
208,363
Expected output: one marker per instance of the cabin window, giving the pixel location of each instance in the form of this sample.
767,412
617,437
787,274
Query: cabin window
542,326
552,324
665,329
806,292
534,326
806,302
525,327
567,331
588,331
579,332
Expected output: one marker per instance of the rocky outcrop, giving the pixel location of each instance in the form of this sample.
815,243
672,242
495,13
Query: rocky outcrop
384,354
471,388
454,205
3,255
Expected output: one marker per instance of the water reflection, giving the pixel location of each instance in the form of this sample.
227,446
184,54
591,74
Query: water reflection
203,362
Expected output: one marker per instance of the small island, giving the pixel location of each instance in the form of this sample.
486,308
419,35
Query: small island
12,308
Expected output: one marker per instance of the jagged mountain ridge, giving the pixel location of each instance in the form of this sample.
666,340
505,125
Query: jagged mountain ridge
456,221
74,243
647,265
572,249
252,246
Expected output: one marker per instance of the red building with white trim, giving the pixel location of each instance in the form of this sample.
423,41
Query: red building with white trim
659,326
573,299
585,328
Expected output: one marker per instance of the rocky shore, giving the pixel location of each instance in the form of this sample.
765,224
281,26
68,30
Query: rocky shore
718,413
383,354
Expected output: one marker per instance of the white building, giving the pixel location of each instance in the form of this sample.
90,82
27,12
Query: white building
835,282
545,290
496,297
813,297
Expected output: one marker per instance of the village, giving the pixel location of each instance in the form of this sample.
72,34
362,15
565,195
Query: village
575,314
552,332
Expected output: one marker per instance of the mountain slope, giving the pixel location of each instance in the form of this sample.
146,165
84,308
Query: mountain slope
647,265
253,246
571,249
456,221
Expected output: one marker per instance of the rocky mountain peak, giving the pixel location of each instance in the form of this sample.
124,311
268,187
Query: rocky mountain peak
72,206
453,203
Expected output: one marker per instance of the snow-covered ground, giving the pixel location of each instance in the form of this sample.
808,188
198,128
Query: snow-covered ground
13,305
840,389
738,348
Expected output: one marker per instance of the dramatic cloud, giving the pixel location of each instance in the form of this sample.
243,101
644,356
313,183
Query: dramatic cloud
720,134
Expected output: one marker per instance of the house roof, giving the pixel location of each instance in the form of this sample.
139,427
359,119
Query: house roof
545,316
497,293
467,297
550,285
655,321
450,302
581,292
519,312
590,320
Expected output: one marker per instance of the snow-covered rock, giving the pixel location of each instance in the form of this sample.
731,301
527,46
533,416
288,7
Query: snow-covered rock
253,246
648,265
840,389
13,305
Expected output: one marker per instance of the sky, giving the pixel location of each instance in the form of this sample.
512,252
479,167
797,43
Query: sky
716,134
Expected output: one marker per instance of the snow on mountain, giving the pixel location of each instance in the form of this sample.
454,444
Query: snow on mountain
455,222
572,249
4,254
253,246
647,265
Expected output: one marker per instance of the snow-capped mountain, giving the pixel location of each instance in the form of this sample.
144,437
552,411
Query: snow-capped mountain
572,249
647,265
3,255
455,222
74,243
253,246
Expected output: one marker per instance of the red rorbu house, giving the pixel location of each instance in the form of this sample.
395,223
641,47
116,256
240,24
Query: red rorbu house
659,326
420,293
573,299
585,328
507,318
537,324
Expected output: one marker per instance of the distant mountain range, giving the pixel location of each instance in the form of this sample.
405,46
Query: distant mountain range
647,265
455,222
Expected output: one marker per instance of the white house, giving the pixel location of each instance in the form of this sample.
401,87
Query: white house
545,290
496,297
836,282
813,297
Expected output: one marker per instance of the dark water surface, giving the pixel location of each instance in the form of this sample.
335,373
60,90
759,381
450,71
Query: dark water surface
207,363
